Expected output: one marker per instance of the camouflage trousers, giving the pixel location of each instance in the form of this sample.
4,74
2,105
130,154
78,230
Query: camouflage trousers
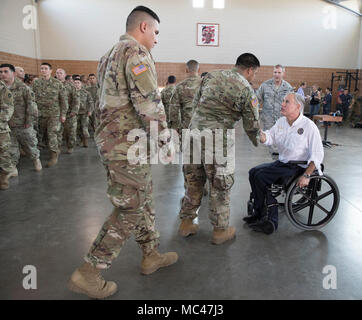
130,191
69,131
355,118
5,158
92,122
219,194
83,120
49,126
25,139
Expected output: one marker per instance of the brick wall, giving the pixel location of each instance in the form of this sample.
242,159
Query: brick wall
294,75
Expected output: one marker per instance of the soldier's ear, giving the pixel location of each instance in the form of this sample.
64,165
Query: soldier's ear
143,26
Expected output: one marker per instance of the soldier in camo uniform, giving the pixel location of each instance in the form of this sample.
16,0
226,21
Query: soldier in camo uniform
6,112
356,108
224,97
93,90
129,99
69,127
166,95
181,101
270,95
52,104
22,132
85,111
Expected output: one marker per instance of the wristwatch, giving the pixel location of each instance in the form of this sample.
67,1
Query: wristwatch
306,176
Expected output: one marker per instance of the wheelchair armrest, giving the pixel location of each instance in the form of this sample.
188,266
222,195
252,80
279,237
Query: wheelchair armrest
297,162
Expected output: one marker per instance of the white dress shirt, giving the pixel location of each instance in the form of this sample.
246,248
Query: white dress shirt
300,142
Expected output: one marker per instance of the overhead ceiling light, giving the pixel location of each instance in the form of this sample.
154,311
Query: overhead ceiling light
219,4
198,3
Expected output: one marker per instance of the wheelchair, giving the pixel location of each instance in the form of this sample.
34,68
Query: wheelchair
308,208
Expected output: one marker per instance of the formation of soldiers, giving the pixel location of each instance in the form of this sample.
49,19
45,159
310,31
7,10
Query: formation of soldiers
42,113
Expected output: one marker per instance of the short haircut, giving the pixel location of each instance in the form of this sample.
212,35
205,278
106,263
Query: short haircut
138,14
302,84
8,65
75,76
298,100
91,75
279,66
247,60
171,79
47,64
192,65
329,89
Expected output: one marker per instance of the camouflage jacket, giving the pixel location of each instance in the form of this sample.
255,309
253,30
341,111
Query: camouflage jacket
166,95
129,97
86,102
6,107
223,98
181,107
93,90
23,104
50,97
72,97
272,98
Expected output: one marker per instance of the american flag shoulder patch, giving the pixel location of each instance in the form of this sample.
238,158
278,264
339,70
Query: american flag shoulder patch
254,101
137,70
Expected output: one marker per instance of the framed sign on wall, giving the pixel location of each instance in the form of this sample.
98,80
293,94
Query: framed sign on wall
208,34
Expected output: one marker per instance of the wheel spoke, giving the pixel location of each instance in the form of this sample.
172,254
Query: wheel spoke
310,216
324,195
301,206
320,207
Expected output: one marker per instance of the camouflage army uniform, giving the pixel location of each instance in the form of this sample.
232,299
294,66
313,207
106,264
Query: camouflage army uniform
86,105
69,128
52,104
272,98
129,99
166,95
355,116
93,90
224,97
22,132
6,112
181,102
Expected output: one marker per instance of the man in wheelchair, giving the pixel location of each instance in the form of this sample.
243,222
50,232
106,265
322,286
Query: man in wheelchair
297,139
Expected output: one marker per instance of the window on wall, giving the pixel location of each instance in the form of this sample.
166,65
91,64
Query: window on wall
198,3
219,4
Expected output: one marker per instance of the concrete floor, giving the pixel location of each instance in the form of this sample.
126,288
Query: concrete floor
49,220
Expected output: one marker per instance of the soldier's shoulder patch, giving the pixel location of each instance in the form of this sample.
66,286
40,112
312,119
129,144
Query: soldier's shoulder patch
254,101
139,69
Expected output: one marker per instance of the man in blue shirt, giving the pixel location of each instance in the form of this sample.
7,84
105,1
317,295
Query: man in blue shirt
346,99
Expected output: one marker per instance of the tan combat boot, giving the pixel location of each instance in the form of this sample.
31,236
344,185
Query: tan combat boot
187,227
4,180
37,165
13,173
53,159
222,235
85,142
70,150
88,280
155,260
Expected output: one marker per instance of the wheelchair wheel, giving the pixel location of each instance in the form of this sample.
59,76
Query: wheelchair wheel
314,206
